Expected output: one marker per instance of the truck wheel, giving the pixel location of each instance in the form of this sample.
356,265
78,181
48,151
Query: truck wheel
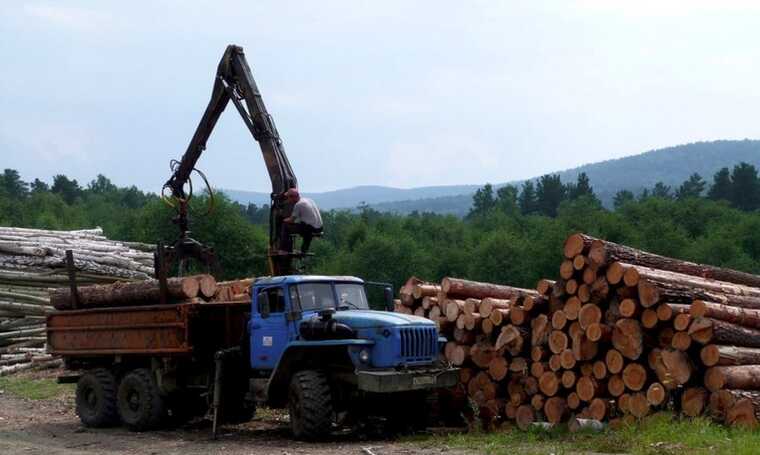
140,403
310,405
96,398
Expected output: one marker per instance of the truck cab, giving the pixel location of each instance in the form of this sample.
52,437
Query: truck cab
314,339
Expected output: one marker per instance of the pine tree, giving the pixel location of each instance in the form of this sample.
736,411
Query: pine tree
691,188
745,187
482,201
528,203
661,190
68,189
721,187
38,186
12,185
550,192
622,197
506,199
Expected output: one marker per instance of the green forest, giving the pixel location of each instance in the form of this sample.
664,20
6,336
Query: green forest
512,235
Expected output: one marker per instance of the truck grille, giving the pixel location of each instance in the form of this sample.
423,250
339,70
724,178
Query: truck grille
419,343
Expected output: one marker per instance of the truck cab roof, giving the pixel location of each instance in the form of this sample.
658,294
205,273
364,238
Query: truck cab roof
296,279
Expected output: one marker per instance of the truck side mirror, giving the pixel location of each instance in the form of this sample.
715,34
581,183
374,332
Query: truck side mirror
388,294
263,301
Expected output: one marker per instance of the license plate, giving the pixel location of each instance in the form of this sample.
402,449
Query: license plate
423,380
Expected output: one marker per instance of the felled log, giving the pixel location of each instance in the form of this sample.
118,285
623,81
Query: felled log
126,293
714,354
603,252
478,290
733,377
735,315
708,330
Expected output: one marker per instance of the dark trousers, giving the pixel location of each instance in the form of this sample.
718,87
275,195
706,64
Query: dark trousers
304,230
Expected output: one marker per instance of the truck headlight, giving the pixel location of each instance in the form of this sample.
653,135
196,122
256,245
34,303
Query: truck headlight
364,356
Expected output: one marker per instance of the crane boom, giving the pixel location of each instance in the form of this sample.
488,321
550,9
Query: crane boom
234,82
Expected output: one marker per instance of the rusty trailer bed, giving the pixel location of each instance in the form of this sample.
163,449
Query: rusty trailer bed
172,330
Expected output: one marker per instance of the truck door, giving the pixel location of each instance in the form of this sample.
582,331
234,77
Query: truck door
269,332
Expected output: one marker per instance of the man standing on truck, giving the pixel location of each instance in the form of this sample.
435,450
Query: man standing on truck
304,220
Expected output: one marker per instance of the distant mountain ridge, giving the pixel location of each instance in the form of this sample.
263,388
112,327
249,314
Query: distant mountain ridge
671,165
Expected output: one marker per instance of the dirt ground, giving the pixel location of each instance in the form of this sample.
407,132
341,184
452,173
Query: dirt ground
48,427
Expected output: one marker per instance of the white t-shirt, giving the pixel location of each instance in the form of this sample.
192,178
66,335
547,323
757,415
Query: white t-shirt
306,211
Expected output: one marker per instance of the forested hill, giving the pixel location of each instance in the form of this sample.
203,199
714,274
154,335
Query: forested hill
670,166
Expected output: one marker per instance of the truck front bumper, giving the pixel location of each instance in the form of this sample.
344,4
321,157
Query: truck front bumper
385,381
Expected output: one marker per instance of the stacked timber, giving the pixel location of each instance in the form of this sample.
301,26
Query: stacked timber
32,263
619,334
488,328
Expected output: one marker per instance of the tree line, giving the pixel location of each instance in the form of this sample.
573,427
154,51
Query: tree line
510,236
739,187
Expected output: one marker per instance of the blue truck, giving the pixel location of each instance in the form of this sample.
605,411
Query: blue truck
307,343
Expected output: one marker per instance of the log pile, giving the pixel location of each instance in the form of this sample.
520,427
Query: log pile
32,263
619,334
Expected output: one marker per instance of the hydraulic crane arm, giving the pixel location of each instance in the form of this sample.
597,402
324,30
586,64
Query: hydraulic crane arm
234,82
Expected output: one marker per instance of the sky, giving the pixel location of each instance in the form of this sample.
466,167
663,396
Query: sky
394,93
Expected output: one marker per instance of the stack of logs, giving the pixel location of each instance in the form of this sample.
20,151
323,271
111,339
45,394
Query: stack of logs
621,333
32,262
189,289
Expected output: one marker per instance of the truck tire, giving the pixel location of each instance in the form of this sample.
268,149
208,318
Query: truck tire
141,405
310,405
96,398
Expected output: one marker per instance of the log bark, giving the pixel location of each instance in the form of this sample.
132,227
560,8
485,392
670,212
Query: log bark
735,315
478,290
743,408
602,252
708,330
714,354
733,377
135,293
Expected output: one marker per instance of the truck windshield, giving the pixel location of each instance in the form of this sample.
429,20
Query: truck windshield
351,296
314,296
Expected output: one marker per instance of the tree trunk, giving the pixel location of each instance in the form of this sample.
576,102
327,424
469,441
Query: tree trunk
707,330
732,314
634,376
474,289
714,354
744,409
602,252
117,294
733,377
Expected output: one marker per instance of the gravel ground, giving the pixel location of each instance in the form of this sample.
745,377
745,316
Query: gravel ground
50,427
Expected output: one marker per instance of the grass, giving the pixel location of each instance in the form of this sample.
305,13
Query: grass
657,434
33,389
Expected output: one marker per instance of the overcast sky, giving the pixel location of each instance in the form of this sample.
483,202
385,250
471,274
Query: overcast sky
389,93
